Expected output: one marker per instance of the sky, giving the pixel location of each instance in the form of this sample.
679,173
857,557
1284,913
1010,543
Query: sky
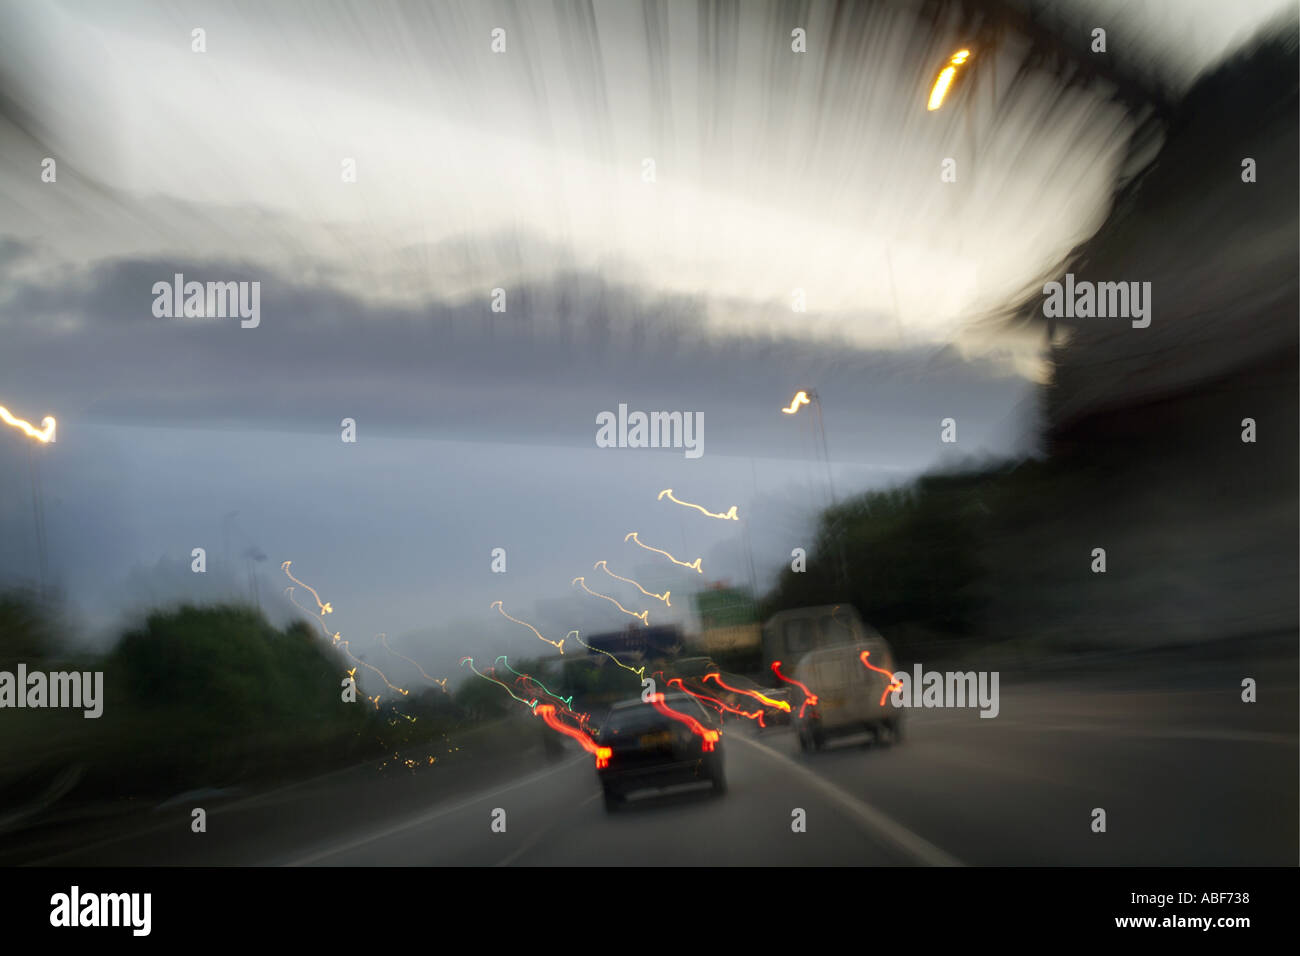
777,177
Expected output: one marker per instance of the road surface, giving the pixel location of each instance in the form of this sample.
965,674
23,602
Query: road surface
1187,775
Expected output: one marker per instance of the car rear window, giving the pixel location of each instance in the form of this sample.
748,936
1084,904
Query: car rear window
631,720
641,717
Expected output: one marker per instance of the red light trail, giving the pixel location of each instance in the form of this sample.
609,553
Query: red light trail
709,737
809,698
893,684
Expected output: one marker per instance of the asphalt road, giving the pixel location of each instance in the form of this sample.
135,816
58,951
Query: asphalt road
1187,773
556,817
1179,787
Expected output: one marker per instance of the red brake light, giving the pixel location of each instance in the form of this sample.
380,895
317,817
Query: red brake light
602,757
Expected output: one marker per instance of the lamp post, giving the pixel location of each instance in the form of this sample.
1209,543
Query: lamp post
40,436
810,397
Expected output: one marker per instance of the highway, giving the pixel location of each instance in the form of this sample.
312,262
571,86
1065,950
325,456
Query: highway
1187,775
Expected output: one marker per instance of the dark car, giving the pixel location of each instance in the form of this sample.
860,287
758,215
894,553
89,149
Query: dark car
670,740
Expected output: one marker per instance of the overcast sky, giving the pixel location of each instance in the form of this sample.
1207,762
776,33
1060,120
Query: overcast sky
525,171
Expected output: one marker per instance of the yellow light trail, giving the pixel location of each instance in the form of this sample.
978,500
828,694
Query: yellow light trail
356,660
729,516
643,617
324,608
800,398
694,565
44,434
639,672
319,618
383,640
501,607
530,704
757,695
658,597
315,617
945,78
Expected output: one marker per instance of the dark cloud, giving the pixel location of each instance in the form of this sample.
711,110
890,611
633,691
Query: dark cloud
86,343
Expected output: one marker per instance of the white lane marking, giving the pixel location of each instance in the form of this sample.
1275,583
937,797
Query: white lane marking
430,816
536,837
874,820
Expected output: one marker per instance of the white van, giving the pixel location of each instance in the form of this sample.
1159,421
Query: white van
790,634
848,693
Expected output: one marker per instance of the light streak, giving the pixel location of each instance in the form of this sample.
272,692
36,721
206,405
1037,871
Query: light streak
718,704
315,617
694,565
383,640
44,435
547,713
324,608
729,516
639,672
343,645
809,698
527,703
658,597
710,737
643,617
778,704
800,398
501,607
945,78
566,701
336,637
893,684
580,719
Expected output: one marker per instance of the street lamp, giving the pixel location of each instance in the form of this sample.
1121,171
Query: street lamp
945,78
40,436
944,81
800,399
810,397
252,554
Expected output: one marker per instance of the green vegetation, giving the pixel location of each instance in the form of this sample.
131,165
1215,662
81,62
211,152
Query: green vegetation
912,555
200,696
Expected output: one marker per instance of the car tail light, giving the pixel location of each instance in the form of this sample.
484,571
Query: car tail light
602,757
710,738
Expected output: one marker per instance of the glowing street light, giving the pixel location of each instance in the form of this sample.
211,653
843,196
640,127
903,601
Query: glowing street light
41,436
803,397
44,435
800,398
945,78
